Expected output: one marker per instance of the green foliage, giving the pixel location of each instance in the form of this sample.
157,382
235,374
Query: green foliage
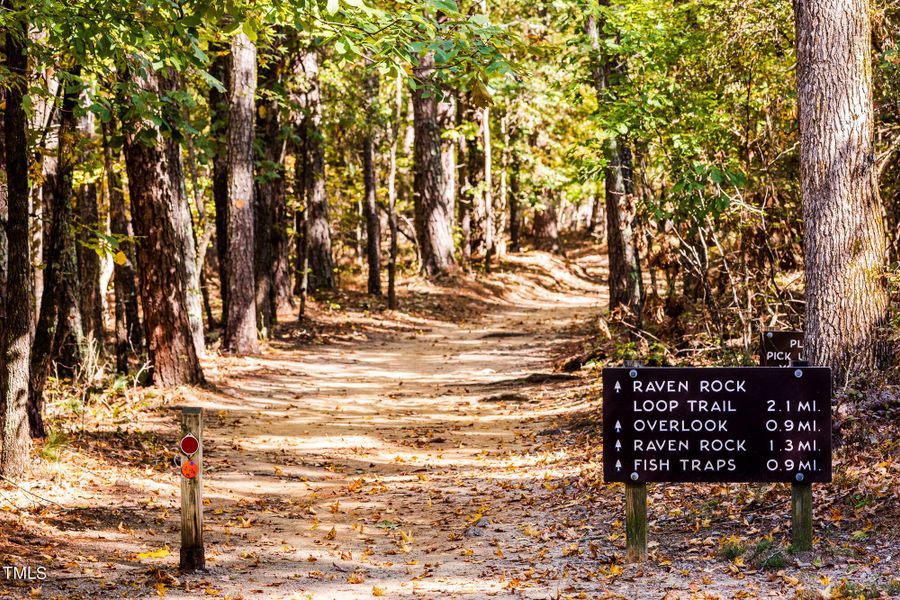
767,555
732,547
55,444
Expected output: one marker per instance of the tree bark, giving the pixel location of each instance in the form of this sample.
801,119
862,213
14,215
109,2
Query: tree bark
240,326
156,208
88,260
318,231
447,120
392,195
488,189
373,223
515,220
431,210
626,287
15,343
464,189
218,126
844,242
270,198
475,234
546,228
128,327
187,238
59,333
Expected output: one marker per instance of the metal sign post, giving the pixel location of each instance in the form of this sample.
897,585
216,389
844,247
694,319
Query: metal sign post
193,556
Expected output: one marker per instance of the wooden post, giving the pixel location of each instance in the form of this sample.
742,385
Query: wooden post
193,556
636,522
801,516
635,510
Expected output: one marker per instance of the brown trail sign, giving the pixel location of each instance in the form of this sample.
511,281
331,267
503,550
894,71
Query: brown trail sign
716,424
780,348
739,424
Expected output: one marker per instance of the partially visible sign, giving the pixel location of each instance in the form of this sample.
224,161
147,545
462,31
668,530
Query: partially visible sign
717,424
779,348
189,445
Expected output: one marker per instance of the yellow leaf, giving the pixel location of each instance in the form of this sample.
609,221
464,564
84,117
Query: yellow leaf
615,570
161,553
119,258
331,534
36,592
530,531
499,552
377,591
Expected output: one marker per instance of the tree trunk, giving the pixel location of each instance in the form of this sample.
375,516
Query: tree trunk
464,189
4,248
88,260
546,228
447,120
59,333
597,222
844,243
626,287
499,240
373,224
128,327
187,246
15,343
475,174
318,231
240,326
70,345
431,209
515,220
488,190
392,195
270,195
218,126
202,233
157,215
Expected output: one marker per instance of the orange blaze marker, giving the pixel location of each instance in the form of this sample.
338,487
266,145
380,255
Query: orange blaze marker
190,469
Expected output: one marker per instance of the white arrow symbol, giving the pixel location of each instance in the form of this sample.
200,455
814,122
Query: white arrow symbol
618,445
618,465
618,387
618,426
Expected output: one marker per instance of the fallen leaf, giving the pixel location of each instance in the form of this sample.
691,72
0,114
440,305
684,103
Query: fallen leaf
161,553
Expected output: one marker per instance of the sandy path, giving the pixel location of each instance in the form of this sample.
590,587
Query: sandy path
361,468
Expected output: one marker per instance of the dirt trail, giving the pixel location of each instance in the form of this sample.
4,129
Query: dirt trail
396,465
402,455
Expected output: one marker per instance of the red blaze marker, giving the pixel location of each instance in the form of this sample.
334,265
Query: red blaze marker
189,445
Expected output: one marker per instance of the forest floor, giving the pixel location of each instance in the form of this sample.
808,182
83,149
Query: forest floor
431,452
